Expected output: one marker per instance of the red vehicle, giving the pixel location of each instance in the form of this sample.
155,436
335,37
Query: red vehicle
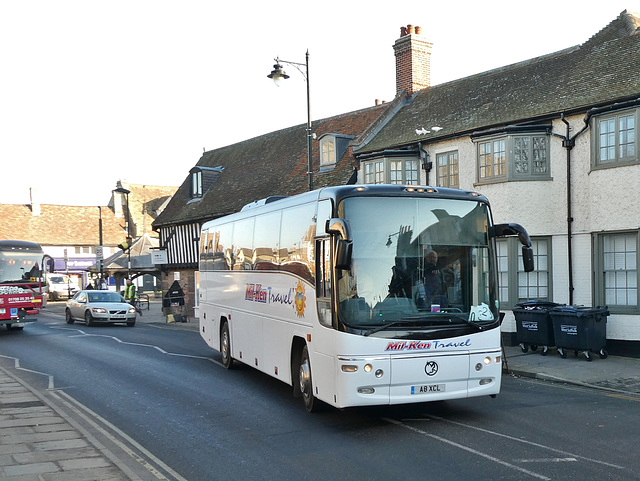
22,284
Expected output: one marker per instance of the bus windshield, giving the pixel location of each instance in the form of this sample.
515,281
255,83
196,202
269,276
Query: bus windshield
417,263
19,266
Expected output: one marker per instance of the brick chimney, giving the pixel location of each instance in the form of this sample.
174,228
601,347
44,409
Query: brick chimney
413,60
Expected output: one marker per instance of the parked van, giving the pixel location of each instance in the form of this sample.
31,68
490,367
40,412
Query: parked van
61,287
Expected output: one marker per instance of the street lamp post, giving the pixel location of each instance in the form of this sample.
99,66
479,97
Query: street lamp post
126,192
278,74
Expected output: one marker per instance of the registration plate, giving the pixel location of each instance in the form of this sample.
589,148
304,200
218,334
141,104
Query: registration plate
428,389
117,317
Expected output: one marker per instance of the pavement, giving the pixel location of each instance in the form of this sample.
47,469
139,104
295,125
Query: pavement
41,442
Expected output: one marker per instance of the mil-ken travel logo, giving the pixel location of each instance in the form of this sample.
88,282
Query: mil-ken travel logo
294,296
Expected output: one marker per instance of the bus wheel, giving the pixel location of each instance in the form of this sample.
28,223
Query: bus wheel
306,383
225,346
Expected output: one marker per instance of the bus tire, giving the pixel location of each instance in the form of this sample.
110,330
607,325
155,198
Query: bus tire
306,382
225,346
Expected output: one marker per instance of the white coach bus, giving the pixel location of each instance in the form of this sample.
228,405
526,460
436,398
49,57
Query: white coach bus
359,295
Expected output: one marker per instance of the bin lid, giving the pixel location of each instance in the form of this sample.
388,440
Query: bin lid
537,304
581,310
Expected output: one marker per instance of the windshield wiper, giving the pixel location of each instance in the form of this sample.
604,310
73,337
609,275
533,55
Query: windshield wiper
385,326
466,320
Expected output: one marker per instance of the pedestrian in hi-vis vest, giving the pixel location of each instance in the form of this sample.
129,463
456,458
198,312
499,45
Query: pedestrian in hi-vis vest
131,296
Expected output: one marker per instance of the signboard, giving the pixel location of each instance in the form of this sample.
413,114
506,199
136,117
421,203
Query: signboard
158,257
99,253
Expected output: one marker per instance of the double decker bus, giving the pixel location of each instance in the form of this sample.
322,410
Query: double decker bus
22,285
359,295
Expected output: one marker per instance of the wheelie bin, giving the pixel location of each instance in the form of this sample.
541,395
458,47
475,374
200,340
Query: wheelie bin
581,329
534,327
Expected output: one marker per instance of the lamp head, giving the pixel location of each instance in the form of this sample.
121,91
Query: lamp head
278,74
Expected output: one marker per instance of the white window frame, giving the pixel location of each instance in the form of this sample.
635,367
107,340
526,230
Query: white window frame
196,184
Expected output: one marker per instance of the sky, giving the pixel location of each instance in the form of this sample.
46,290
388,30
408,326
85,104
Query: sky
92,92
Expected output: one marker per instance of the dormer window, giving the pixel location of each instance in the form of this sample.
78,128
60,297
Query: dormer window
328,150
332,148
196,183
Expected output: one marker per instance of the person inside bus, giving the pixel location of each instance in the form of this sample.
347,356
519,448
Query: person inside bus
431,288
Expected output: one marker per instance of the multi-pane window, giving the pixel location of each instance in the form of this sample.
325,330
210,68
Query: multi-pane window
535,284
617,275
514,283
391,171
327,151
615,138
530,155
374,172
492,157
514,157
447,170
196,183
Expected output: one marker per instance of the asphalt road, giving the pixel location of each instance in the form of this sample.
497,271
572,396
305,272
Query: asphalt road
161,397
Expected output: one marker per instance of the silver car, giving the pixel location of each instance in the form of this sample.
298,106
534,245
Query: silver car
99,306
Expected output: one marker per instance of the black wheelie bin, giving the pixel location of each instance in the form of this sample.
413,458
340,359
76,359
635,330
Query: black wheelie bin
534,327
581,329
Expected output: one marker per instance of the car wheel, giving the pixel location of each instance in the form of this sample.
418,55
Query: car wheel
131,323
88,318
67,316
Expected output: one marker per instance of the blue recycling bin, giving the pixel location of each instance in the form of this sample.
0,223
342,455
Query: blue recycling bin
534,327
582,329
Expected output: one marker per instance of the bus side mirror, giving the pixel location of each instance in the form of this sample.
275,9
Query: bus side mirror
343,254
340,228
506,230
527,258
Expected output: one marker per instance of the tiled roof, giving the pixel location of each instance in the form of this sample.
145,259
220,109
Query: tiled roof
61,225
603,70
272,164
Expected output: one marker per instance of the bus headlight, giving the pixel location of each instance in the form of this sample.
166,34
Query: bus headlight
487,360
368,368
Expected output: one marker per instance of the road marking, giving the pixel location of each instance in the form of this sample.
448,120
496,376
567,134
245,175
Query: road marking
16,365
88,415
626,398
466,448
524,441
547,460
82,333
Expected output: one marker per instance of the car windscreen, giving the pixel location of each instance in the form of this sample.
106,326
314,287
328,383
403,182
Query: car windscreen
104,297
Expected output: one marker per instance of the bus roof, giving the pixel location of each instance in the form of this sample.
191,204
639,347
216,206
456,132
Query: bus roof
338,193
19,245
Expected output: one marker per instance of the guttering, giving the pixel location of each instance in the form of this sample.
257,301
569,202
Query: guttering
569,143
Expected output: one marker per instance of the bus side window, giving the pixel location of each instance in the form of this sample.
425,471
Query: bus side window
266,236
222,256
297,232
